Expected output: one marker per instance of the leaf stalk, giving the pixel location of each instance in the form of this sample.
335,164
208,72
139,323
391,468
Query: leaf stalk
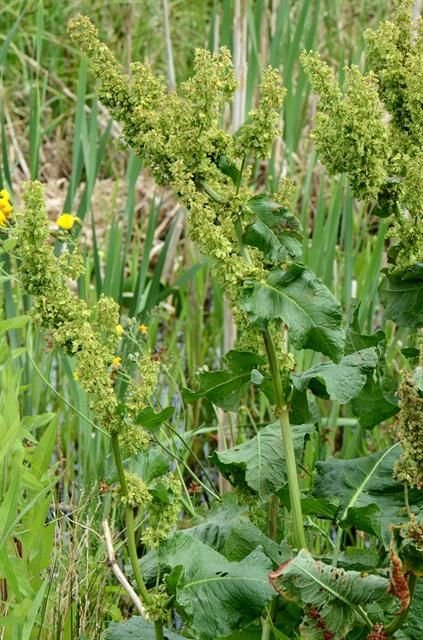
282,412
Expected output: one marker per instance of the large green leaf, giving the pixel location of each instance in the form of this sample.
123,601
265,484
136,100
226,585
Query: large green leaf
341,381
359,559
301,300
267,209
276,232
225,387
356,341
260,463
366,482
403,300
228,529
216,596
136,628
376,401
276,245
254,632
338,596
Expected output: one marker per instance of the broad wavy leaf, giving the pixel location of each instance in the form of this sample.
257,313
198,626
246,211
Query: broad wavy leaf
216,596
298,298
367,491
342,381
225,387
260,463
333,598
403,300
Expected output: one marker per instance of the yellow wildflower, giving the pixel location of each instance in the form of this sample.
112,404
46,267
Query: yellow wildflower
6,208
143,329
119,330
116,362
75,376
66,221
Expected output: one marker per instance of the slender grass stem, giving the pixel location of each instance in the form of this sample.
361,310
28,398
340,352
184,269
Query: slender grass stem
188,469
288,442
272,530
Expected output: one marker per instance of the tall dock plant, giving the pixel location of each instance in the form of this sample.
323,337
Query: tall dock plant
253,240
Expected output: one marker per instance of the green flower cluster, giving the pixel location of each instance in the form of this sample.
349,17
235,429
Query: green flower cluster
89,335
137,494
350,133
373,130
162,512
257,134
160,502
180,136
409,467
140,390
156,609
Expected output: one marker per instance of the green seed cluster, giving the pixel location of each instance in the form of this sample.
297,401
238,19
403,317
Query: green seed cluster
138,494
258,133
89,335
160,502
409,467
162,516
156,608
373,129
350,133
181,138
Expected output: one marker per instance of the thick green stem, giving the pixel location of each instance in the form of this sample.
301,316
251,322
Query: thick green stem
130,534
158,628
282,412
